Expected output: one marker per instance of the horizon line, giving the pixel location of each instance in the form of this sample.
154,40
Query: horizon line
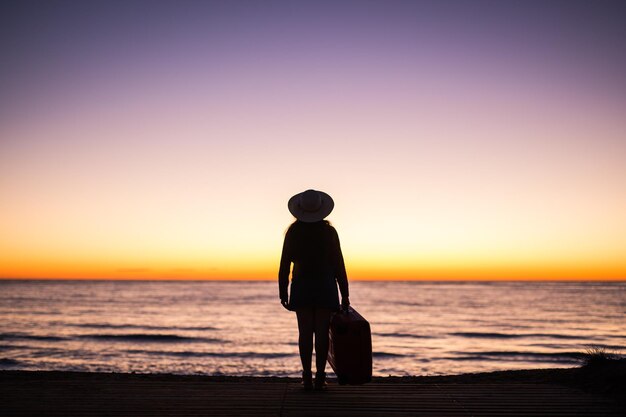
349,279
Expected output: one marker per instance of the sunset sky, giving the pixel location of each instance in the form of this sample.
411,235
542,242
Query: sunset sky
459,140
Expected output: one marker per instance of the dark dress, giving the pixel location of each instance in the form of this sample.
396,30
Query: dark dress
318,266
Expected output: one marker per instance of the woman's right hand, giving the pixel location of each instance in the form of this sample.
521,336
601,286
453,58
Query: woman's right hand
285,304
345,302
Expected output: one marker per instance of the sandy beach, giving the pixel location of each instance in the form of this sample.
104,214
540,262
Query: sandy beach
563,392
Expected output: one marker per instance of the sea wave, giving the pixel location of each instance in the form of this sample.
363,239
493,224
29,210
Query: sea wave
147,337
388,355
560,357
247,355
8,362
576,345
27,336
488,335
129,337
137,326
403,335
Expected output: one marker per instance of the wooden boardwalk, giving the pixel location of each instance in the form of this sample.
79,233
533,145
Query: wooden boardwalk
58,394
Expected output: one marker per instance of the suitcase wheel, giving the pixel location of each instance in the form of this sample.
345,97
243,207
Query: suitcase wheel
342,380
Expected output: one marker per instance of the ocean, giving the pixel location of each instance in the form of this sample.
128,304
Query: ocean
240,328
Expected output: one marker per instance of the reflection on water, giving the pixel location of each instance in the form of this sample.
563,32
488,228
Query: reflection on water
239,328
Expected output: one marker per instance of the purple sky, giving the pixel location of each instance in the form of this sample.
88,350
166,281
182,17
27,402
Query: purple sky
56,46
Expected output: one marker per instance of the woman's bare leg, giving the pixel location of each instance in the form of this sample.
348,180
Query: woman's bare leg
306,325
322,323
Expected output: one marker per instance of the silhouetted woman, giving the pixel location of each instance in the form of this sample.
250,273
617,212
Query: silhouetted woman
312,245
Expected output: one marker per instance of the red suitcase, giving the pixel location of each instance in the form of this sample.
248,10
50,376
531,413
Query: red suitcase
350,348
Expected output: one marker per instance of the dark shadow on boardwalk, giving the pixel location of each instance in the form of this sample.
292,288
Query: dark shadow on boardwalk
91,394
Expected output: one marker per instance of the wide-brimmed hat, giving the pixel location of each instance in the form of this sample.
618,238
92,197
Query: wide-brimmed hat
311,206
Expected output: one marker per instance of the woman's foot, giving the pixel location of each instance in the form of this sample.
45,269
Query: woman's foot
320,381
307,380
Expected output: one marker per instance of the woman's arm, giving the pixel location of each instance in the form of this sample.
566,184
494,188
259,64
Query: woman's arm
285,268
340,271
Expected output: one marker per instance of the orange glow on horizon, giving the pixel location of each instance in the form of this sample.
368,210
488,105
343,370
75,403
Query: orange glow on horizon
267,271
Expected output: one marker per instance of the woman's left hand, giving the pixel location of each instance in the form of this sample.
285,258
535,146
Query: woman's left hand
285,304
